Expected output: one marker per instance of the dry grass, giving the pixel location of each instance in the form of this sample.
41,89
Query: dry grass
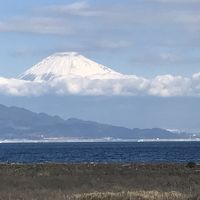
99,182
60,195
136,195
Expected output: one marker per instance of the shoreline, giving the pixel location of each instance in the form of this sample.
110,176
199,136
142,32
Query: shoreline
24,141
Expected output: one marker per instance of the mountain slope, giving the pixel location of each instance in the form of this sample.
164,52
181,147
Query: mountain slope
67,65
19,123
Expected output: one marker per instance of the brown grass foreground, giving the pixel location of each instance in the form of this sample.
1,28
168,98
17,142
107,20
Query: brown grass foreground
99,182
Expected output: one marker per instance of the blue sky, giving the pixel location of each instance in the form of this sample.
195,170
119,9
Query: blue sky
146,38
142,37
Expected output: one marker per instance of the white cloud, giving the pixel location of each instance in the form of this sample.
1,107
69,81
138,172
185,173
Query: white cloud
168,85
128,85
18,87
85,18
41,25
196,84
81,8
169,57
105,44
175,1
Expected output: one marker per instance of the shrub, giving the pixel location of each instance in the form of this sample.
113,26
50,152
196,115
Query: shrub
191,164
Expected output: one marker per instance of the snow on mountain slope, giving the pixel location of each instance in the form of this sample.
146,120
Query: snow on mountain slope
70,73
68,65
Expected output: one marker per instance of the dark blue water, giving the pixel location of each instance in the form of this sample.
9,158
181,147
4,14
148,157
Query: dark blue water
133,152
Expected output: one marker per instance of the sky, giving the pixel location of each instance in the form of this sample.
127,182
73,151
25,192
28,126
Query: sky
141,37
157,41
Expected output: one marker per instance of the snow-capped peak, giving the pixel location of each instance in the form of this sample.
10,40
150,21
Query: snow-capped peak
67,64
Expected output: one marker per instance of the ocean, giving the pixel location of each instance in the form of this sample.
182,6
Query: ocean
107,152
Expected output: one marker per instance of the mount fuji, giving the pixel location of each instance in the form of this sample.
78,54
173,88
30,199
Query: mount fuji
68,65
71,73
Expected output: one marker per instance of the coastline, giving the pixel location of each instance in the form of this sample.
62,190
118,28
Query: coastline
97,140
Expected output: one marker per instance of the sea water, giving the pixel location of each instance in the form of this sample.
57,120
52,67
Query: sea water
107,152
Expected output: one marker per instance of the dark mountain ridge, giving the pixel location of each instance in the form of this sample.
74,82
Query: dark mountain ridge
19,123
